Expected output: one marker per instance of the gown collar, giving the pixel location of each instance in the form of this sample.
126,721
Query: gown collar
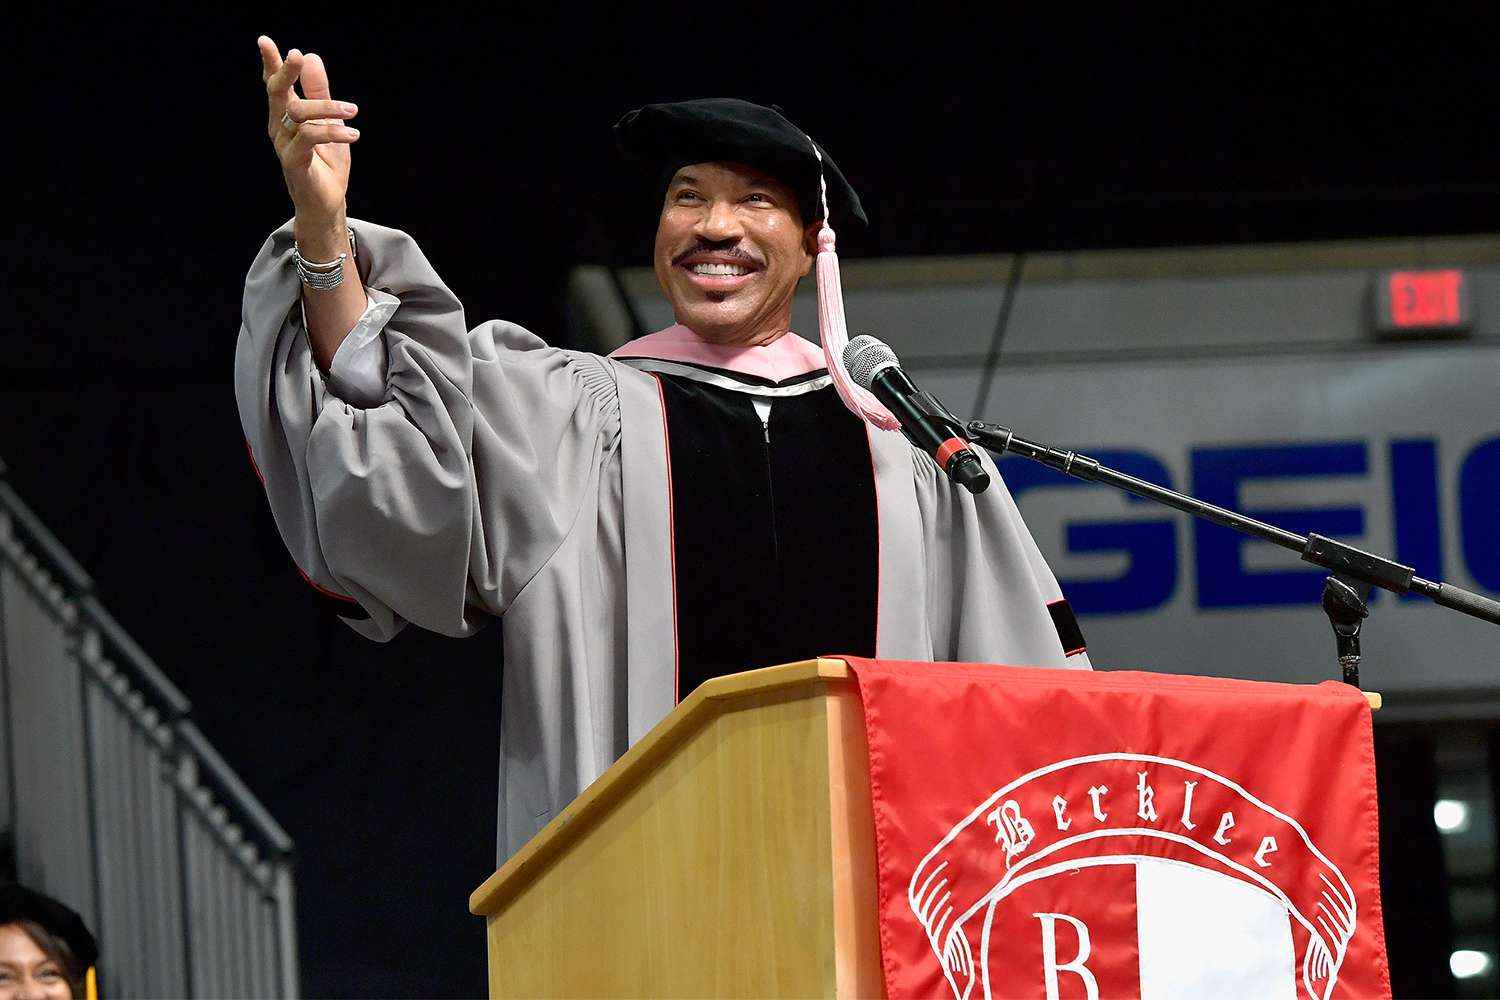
786,357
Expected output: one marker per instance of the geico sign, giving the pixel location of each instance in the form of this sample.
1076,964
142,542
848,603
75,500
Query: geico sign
1217,473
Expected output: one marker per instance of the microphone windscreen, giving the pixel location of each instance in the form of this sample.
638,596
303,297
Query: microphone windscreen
865,357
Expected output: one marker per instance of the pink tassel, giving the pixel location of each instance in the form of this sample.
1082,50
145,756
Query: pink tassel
835,335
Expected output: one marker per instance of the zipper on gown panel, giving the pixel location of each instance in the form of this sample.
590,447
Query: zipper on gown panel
763,410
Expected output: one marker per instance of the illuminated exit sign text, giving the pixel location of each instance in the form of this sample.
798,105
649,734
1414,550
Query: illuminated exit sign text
1410,302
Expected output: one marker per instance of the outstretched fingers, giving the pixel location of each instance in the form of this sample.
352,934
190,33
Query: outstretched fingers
315,78
313,134
280,82
282,75
270,57
300,110
317,179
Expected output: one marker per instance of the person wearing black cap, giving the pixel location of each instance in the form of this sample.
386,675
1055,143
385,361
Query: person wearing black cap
712,497
46,952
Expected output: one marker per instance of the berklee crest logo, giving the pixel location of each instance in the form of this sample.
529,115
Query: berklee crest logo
1111,809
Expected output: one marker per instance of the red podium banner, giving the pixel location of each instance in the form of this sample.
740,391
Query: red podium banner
1068,834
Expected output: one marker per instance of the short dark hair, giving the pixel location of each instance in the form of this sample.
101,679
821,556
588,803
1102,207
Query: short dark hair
57,950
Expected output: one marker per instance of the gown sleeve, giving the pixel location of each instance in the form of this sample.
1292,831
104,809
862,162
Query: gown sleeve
438,505
995,600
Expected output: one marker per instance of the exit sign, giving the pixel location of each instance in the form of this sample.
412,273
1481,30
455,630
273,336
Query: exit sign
1415,302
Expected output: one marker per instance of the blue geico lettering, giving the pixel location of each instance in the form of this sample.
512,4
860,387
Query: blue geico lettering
1479,512
1151,573
1218,474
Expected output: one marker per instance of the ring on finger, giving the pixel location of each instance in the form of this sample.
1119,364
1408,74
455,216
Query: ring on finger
287,122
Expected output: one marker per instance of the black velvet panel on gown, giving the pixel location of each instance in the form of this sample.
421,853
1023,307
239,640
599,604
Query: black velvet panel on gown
775,529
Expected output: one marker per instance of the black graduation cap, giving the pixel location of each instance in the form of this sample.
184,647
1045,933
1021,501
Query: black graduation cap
20,903
667,137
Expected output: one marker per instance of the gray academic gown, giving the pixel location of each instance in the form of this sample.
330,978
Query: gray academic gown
503,478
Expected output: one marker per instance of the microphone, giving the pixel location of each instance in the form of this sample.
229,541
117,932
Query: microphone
926,423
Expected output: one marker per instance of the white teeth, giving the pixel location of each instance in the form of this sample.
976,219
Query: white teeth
720,270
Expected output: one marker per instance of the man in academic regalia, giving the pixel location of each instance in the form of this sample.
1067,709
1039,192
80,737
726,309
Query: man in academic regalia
700,502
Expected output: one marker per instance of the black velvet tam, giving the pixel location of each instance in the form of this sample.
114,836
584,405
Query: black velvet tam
20,903
666,137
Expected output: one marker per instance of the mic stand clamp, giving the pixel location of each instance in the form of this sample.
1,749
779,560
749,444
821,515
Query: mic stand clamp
1344,604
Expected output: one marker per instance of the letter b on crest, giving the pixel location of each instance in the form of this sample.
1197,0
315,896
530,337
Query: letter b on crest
1050,965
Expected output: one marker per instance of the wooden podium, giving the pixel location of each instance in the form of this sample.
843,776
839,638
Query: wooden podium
729,853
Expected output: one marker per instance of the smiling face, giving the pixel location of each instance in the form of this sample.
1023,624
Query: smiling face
26,971
730,247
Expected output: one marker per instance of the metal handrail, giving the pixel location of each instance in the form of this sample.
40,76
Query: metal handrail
242,801
206,793
127,655
49,548
122,650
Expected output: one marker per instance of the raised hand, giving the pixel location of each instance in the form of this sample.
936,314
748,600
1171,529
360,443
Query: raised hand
311,138
312,142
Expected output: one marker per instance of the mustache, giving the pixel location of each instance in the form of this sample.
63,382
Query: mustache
725,248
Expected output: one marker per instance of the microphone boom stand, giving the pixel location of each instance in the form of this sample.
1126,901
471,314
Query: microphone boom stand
1354,570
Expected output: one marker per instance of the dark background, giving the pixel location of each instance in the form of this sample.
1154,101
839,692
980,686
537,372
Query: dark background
146,185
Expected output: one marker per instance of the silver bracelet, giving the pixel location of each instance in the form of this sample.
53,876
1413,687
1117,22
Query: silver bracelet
323,275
